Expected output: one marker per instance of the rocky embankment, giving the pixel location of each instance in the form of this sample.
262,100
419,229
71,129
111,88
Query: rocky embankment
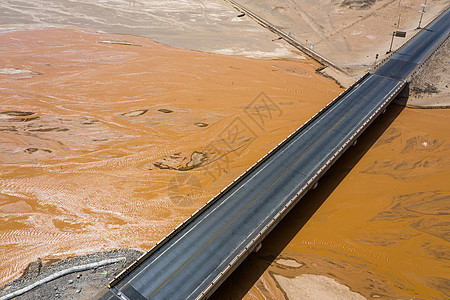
429,89
81,277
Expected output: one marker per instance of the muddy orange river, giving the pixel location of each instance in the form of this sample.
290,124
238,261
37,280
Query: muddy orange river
111,141
378,224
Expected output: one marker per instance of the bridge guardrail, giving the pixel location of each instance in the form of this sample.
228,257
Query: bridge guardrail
158,245
410,39
425,61
287,207
280,215
314,55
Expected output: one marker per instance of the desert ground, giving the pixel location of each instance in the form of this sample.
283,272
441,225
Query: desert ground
350,33
429,89
110,140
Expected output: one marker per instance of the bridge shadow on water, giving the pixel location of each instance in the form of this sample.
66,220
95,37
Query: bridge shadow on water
247,274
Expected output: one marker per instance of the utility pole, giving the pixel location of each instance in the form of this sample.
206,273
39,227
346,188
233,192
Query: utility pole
401,34
399,14
422,11
397,32
392,41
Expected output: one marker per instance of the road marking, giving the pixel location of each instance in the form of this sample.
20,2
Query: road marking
275,155
218,233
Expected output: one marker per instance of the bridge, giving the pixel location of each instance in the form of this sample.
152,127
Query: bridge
193,260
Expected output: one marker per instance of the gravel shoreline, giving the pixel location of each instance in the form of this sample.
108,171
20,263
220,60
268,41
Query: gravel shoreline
86,284
429,89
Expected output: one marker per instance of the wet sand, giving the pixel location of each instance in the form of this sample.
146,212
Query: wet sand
110,141
377,227
210,26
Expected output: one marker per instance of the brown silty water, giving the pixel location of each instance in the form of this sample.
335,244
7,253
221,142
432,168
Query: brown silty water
111,141
377,226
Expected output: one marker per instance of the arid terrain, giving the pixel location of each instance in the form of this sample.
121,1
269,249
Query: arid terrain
377,227
98,154
429,89
350,33
109,140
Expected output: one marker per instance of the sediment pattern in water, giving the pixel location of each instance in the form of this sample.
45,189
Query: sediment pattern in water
211,26
110,141
377,226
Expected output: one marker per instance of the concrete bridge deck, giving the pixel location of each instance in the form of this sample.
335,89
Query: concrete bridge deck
196,257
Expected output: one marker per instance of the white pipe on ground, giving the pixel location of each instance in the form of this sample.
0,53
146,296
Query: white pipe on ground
60,274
